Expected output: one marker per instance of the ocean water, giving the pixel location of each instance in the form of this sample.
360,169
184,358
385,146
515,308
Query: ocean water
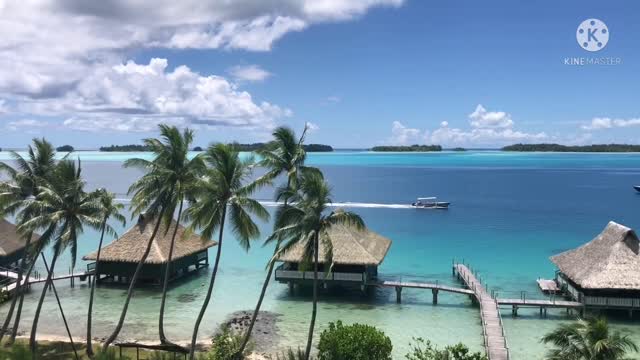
509,213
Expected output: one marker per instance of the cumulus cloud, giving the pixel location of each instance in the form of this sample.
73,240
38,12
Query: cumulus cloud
486,128
608,123
136,97
334,99
402,135
4,108
483,119
249,73
26,124
51,45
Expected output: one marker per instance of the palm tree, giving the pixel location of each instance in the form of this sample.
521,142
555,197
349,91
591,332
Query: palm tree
284,155
109,209
224,190
588,339
22,185
157,193
62,208
305,221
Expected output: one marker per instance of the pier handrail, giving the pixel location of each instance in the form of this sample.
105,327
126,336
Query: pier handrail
504,335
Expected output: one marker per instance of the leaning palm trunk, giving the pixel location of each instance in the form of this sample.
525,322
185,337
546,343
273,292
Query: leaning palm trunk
136,274
16,323
64,318
315,296
17,290
36,317
167,272
207,298
90,352
254,317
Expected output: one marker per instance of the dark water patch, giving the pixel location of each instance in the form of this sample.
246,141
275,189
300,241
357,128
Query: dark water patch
187,298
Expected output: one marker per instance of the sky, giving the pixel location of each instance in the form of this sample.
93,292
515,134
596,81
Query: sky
360,72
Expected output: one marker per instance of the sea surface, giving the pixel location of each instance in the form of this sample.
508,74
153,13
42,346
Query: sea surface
509,213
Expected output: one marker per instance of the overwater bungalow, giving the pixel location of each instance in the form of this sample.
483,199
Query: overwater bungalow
356,257
118,260
605,272
12,245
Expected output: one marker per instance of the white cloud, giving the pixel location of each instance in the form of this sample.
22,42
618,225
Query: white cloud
26,124
485,129
249,73
402,135
311,127
50,45
4,108
483,119
608,123
136,97
334,99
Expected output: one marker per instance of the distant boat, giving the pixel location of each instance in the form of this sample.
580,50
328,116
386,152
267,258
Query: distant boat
430,203
637,188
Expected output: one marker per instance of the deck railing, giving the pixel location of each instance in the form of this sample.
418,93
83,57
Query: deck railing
605,301
282,274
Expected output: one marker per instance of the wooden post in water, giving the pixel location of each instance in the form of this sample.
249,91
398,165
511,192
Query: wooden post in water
435,296
398,294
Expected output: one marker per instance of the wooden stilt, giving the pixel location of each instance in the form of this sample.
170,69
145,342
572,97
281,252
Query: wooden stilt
435,296
399,294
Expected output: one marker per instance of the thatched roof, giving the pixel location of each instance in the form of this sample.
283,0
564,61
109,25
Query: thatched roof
610,261
10,240
350,247
131,245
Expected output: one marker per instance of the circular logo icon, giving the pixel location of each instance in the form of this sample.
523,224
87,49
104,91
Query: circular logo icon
592,35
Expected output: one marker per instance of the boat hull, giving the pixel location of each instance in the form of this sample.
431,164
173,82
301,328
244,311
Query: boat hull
441,205
637,188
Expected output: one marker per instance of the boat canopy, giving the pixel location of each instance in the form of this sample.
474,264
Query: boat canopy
427,198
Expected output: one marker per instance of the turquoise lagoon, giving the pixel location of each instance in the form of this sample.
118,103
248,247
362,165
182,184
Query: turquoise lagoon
510,212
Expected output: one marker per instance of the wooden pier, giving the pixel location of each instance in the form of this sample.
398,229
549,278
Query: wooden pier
494,340
434,287
36,280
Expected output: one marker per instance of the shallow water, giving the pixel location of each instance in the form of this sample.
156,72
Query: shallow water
510,212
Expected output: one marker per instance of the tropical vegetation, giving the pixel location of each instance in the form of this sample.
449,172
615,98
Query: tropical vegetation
353,342
588,339
422,349
411,148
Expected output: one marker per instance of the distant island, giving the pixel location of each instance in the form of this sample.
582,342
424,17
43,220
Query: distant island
125,148
65,148
240,147
412,148
566,148
458,149
307,148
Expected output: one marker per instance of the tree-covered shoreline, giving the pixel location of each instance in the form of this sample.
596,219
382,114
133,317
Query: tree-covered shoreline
240,147
411,148
575,148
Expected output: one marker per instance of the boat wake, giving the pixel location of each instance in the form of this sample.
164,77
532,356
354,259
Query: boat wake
335,204
350,205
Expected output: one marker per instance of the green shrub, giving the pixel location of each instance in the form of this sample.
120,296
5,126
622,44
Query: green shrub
353,342
292,355
15,352
226,345
423,350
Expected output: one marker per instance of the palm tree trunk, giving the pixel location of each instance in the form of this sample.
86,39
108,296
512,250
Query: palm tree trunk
167,272
36,317
64,318
136,274
194,337
247,336
90,352
18,289
315,296
16,323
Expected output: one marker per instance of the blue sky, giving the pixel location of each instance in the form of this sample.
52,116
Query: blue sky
363,73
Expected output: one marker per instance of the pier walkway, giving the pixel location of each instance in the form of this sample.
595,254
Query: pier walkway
494,340
11,274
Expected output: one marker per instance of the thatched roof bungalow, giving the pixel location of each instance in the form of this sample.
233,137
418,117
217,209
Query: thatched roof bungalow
604,271
356,257
12,245
118,260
